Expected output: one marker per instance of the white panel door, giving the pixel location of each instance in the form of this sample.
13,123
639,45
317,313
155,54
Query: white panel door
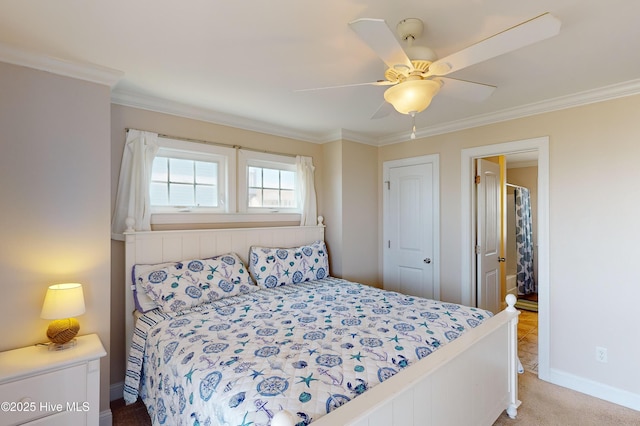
411,207
488,235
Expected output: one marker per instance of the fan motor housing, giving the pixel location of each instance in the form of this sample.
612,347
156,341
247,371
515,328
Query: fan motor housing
410,28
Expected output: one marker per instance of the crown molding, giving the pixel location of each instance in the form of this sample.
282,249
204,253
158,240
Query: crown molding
82,71
165,106
610,92
614,91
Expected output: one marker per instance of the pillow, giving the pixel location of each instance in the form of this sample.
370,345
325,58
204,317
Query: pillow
273,267
176,286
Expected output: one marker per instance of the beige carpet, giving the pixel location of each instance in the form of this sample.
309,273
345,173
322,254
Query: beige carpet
546,404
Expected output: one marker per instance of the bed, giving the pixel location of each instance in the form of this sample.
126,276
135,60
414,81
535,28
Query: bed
255,349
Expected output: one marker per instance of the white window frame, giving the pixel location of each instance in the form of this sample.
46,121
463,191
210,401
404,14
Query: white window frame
248,158
236,186
225,157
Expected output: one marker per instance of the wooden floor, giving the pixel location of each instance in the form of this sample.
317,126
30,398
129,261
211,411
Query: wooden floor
528,340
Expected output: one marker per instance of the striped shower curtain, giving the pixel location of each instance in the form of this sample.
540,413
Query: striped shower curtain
524,242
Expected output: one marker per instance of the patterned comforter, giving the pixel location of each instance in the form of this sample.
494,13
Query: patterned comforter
307,348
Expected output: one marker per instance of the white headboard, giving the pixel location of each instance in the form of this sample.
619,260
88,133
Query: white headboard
151,247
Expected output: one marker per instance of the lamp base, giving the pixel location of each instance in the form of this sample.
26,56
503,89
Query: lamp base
62,346
63,330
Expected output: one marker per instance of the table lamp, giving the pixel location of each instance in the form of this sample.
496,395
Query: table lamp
61,303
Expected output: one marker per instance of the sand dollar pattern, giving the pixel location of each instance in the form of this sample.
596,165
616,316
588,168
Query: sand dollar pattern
297,277
267,351
195,266
272,386
371,342
335,401
385,372
314,335
229,260
423,351
209,384
193,292
156,277
329,360
215,348
226,286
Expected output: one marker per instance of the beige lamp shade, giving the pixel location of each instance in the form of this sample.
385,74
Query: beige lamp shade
412,96
63,301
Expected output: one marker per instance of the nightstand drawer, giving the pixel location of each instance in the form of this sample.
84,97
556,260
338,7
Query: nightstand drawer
43,395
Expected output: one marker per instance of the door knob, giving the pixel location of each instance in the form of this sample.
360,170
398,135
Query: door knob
426,260
502,259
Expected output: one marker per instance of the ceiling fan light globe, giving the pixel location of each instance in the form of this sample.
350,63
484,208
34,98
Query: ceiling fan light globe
412,96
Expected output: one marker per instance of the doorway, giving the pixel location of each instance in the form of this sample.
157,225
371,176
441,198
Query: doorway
540,146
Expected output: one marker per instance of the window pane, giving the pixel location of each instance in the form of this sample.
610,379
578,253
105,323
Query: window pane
181,194
206,172
255,197
255,176
160,169
271,178
287,179
270,198
159,194
180,170
206,196
288,198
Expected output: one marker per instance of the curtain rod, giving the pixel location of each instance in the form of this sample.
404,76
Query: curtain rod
226,145
515,186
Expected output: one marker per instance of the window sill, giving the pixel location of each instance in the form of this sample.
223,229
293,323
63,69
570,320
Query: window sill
191,218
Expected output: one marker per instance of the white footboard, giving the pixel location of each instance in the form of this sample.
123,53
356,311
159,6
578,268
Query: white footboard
470,381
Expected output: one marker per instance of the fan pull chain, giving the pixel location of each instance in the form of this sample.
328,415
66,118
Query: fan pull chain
413,130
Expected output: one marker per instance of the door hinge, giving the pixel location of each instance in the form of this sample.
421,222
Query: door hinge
388,185
389,243
477,249
477,179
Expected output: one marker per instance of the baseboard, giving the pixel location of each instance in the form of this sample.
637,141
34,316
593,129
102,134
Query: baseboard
116,391
596,389
106,419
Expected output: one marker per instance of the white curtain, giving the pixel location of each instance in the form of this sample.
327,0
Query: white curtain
306,184
132,199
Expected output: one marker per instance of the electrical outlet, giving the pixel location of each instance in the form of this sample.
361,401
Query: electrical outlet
601,354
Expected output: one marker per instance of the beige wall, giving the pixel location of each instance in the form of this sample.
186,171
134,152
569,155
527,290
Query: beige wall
594,209
351,210
332,184
359,213
55,224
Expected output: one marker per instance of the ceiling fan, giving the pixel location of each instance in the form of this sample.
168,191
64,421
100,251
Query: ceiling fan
416,75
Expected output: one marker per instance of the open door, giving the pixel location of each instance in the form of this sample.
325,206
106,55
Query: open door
488,235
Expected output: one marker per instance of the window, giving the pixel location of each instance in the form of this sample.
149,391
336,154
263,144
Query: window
195,182
267,183
272,188
189,176
180,182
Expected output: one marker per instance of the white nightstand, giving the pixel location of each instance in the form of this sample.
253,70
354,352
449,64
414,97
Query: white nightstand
42,387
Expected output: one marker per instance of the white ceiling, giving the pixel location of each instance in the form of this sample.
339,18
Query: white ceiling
241,62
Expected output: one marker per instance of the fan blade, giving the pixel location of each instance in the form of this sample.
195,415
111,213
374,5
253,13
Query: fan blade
383,110
379,37
524,34
372,83
466,90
